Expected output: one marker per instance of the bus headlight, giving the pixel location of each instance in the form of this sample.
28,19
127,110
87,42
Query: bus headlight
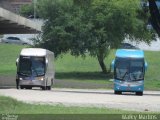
20,79
41,78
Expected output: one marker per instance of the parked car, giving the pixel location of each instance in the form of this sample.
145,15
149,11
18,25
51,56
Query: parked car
127,46
13,40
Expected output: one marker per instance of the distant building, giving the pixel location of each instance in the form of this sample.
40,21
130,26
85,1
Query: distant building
13,5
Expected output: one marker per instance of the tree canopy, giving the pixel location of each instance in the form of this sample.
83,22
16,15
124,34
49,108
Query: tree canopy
27,10
91,26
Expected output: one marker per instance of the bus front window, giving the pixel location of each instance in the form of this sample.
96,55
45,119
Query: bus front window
25,66
129,69
136,70
122,69
38,66
32,66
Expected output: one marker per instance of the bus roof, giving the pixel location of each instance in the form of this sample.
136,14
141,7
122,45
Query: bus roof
34,52
129,53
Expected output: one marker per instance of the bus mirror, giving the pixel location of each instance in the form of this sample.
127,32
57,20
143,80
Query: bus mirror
146,65
112,65
17,60
46,62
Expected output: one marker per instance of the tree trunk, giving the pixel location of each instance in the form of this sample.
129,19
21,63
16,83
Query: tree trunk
102,65
155,15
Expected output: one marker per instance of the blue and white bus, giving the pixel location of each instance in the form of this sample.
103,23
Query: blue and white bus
129,69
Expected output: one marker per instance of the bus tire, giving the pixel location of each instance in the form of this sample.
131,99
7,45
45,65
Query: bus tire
139,93
43,87
17,83
48,87
17,86
21,87
52,82
117,92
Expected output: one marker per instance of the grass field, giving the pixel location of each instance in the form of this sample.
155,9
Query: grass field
12,106
78,69
23,111
8,56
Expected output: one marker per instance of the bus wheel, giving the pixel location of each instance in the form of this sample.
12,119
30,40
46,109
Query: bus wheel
17,86
117,92
43,88
17,83
48,87
139,93
52,82
21,87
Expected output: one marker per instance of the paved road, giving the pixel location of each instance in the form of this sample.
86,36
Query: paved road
150,101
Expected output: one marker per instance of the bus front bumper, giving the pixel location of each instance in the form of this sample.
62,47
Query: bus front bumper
31,83
137,86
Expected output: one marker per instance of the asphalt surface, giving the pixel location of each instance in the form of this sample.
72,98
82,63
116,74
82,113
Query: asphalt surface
150,101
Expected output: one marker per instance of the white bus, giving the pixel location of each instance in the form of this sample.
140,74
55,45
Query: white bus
35,69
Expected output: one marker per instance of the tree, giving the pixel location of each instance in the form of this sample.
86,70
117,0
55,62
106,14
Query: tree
27,10
92,27
155,16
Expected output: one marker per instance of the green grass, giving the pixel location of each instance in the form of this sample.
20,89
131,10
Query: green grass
152,76
88,70
12,106
81,70
8,56
69,63
25,111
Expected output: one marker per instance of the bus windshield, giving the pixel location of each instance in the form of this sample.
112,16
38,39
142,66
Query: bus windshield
32,66
129,69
